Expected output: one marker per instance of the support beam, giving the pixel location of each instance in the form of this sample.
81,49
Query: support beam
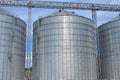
94,17
75,6
29,43
60,5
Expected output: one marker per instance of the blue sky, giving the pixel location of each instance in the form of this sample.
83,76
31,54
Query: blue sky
38,12
102,16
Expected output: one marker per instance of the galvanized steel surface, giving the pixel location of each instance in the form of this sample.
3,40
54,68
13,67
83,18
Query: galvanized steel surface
64,48
12,47
109,41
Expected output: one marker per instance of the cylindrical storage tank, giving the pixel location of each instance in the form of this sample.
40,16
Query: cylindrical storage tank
12,47
64,48
109,45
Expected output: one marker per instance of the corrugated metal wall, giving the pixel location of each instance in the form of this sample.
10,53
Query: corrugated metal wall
12,47
64,48
109,41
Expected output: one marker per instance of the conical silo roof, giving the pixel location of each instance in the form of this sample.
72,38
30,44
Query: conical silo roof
116,18
63,13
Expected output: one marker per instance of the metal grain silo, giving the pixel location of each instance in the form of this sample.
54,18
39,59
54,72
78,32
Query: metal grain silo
64,48
109,44
12,47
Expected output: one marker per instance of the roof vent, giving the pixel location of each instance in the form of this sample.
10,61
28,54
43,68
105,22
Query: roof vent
73,12
59,10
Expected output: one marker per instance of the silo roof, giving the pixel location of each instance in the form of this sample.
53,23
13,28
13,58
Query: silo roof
3,11
63,13
115,19
112,20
